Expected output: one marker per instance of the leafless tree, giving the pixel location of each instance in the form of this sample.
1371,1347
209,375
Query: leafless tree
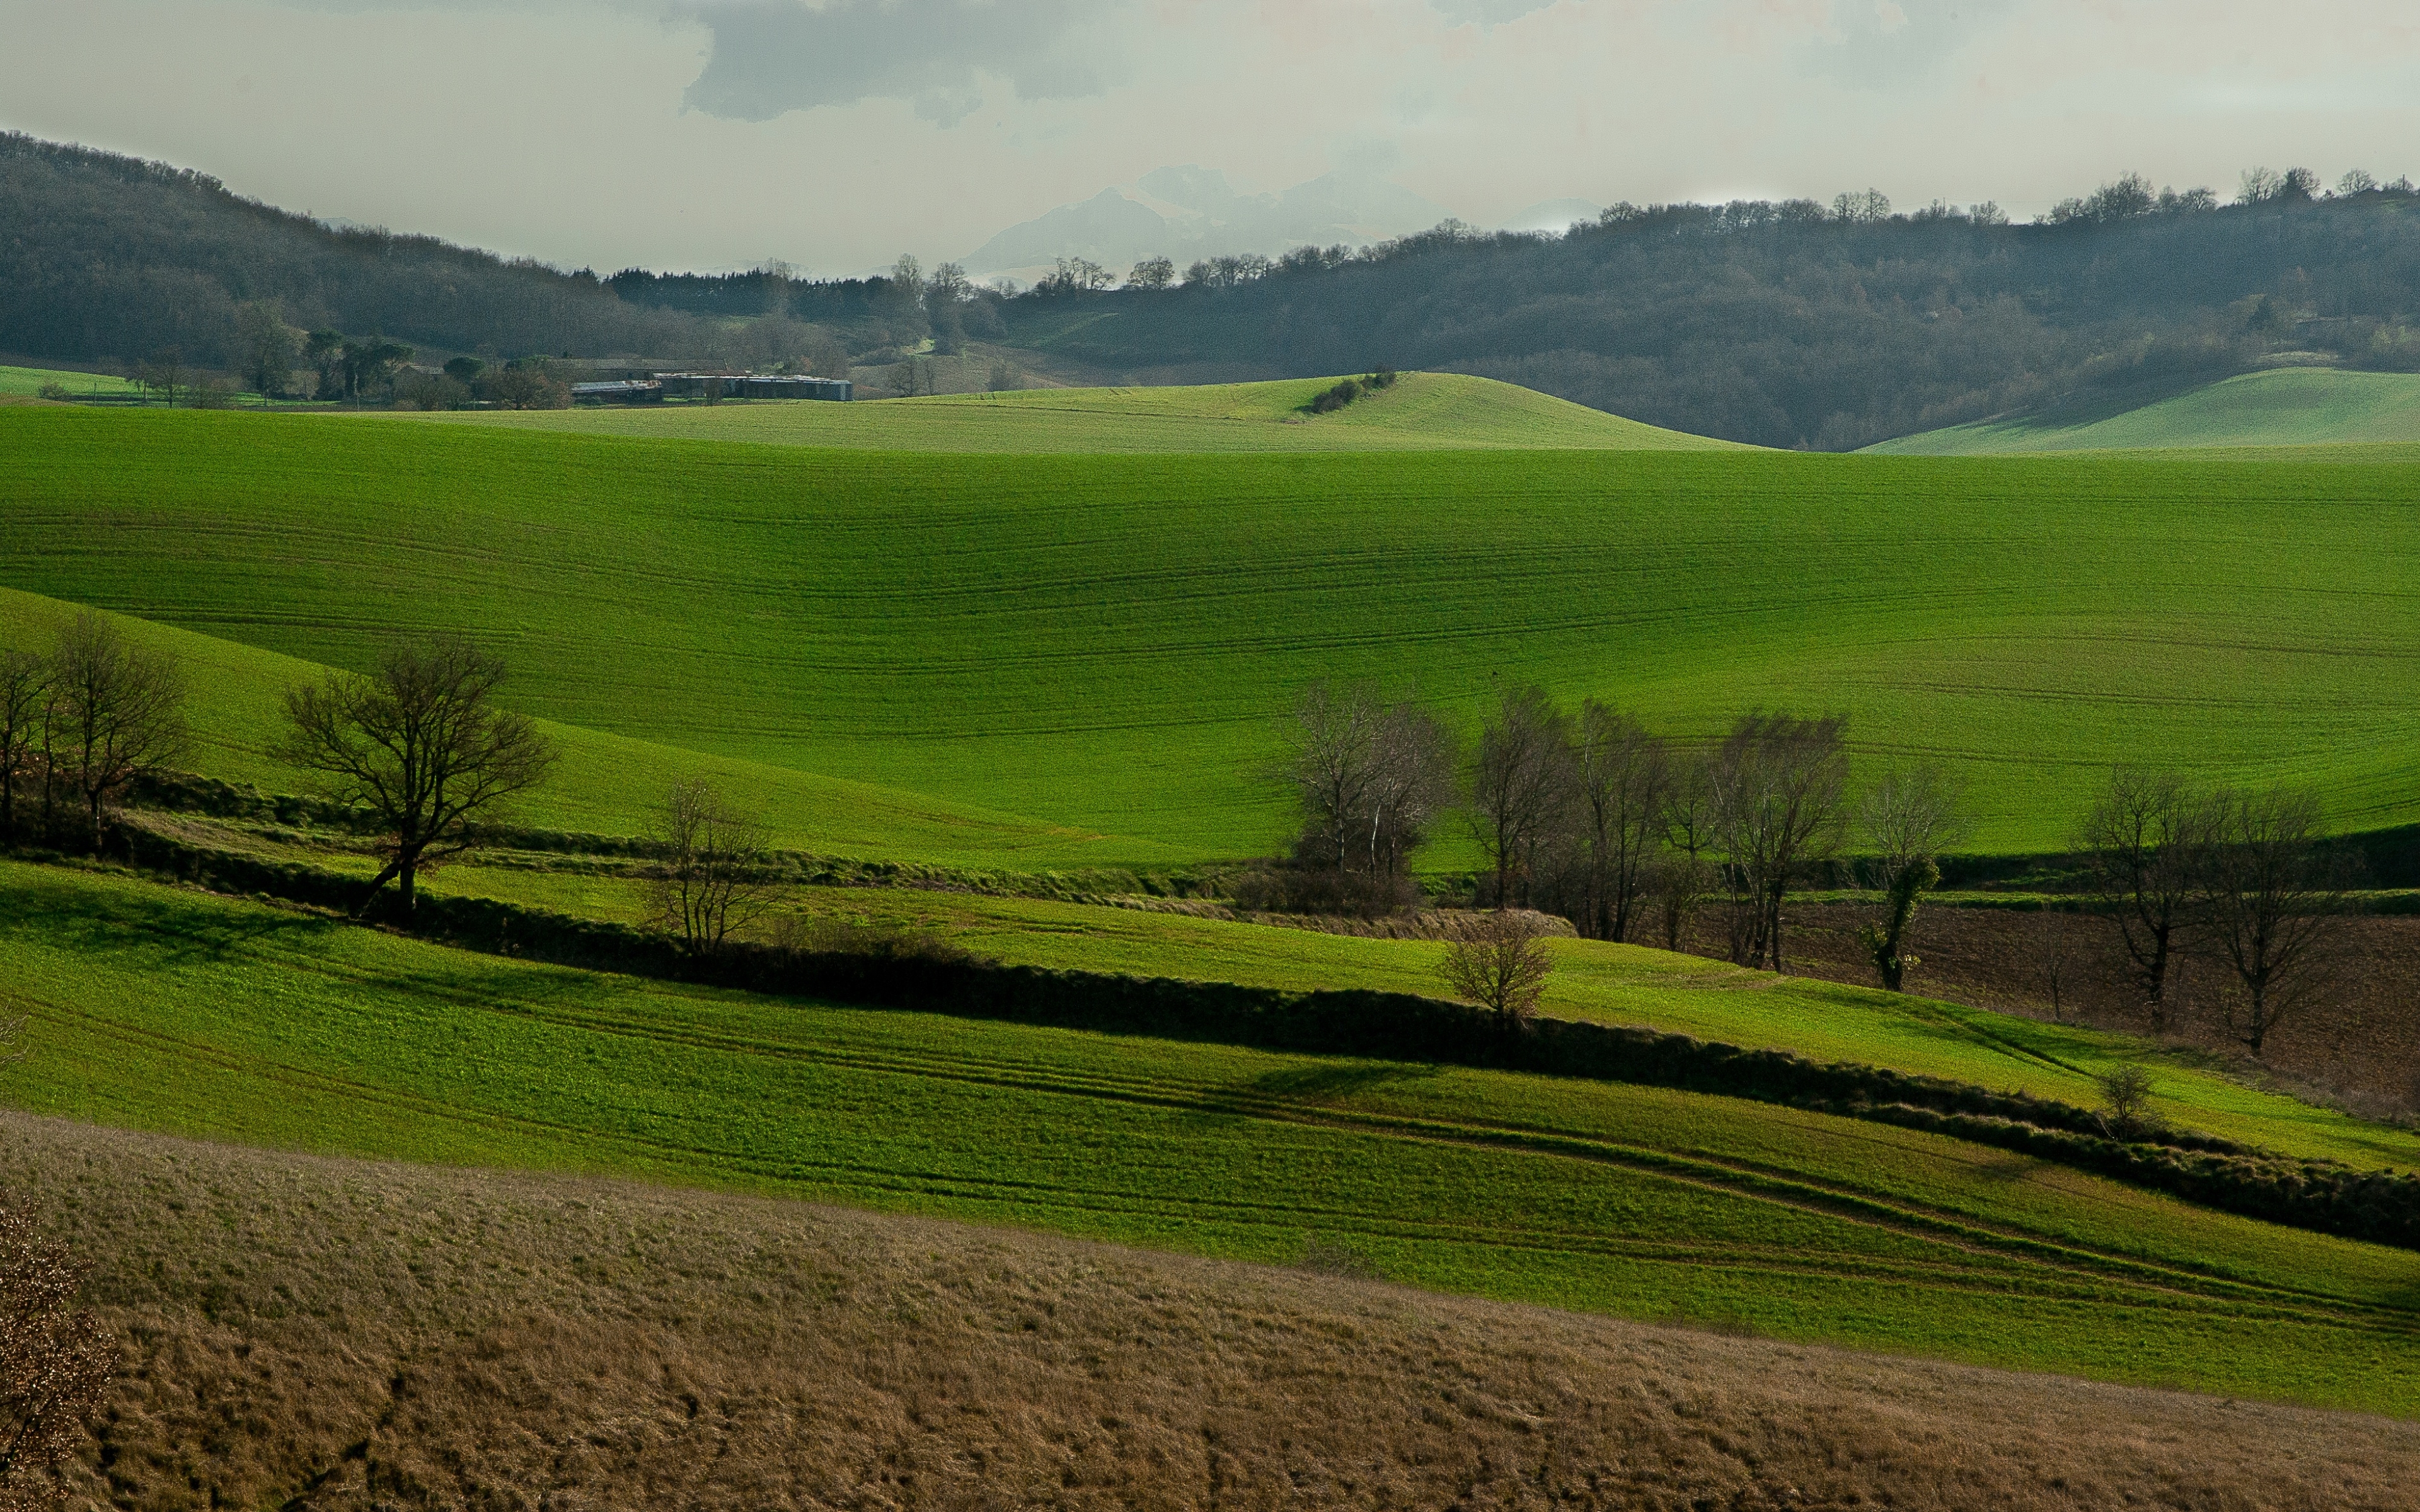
1684,872
1906,821
116,710
55,1362
1522,787
2058,959
25,693
1500,963
2275,902
711,878
1779,784
2142,839
1621,774
1371,777
420,744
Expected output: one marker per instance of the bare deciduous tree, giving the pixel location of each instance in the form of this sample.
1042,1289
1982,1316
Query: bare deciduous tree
712,878
1683,871
1522,788
55,1362
2142,839
2058,958
420,744
25,693
2275,901
116,711
1906,821
1501,963
1621,774
1371,777
1780,782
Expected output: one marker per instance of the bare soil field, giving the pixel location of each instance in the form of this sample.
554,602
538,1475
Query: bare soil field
2356,1045
309,1333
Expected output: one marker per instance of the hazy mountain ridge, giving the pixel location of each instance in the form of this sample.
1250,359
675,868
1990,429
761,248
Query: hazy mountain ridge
1189,211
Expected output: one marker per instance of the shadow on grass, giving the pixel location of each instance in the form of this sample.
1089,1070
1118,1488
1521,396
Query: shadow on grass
154,927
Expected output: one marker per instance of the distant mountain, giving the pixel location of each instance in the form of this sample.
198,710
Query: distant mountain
1190,212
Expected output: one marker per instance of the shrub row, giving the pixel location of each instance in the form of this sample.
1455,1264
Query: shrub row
2321,1195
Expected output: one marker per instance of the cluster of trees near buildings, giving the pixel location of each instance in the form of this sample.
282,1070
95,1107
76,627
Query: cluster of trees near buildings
1631,836
1789,323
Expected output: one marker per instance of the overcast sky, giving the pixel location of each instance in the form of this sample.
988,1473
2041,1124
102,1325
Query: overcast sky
718,133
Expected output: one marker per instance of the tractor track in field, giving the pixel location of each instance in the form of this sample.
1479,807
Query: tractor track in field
2009,1249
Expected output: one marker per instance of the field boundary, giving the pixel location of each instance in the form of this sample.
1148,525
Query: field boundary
2324,1197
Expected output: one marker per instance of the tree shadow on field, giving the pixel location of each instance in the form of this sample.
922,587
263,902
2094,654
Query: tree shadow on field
153,928
1331,1084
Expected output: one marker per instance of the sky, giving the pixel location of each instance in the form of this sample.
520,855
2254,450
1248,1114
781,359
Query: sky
834,135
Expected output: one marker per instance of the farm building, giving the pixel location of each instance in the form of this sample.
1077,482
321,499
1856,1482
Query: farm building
618,390
752,386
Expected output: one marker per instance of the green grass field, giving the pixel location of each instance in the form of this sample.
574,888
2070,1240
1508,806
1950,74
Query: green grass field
1422,411
1608,983
1104,644
25,382
172,1011
2283,407
605,783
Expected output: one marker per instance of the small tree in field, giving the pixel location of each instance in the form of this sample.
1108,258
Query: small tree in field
25,692
2126,1093
421,745
1906,821
1501,964
116,711
55,1362
711,879
2275,902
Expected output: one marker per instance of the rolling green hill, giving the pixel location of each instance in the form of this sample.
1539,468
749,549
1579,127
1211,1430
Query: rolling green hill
171,1011
1102,644
1422,411
605,783
2283,407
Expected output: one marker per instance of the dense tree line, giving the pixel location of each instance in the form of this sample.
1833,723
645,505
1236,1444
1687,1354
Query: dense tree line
1799,324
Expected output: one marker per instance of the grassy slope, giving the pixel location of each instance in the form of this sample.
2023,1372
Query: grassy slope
1610,983
307,1332
173,1012
1104,642
1422,411
2285,406
21,382
605,783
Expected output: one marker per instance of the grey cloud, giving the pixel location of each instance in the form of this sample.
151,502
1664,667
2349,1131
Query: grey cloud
772,56
1882,43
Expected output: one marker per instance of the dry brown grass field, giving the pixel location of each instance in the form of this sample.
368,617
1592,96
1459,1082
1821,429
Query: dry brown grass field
307,1333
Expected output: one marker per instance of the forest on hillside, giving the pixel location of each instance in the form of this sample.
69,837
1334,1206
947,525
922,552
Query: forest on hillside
1796,324
1788,324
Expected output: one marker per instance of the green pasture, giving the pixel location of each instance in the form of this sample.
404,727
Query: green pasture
1106,644
167,1009
605,783
25,382
1608,984
2283,407
1422,411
